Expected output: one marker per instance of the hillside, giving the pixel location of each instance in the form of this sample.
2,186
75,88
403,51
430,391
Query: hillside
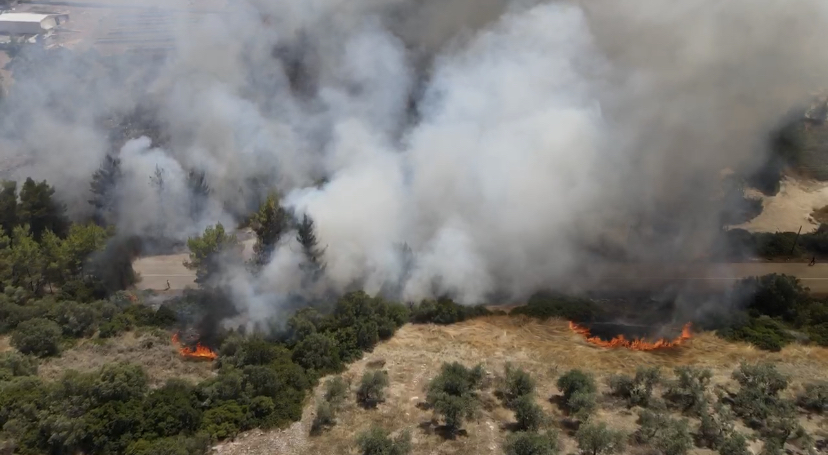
544,349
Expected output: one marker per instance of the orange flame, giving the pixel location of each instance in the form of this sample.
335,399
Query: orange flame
638,345
197,352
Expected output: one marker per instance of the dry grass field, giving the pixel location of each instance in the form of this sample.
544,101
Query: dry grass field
545,349
150,349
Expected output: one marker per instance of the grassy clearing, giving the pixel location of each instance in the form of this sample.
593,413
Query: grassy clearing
149,348
545,349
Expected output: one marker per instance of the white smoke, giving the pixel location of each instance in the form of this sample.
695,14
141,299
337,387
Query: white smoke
539,130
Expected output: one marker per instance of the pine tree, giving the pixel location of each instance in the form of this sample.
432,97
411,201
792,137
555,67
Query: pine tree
103,188
306,237
209,250
40,210
8,207
199,192
269,223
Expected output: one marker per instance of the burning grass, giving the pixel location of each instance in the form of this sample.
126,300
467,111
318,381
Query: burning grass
151,349
544,349
636,344
197,352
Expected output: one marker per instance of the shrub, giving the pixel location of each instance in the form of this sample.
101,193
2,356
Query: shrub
637,391
224,421
814,398
324,419
452,393
516,384
524,443
545,306
596,439
582,404
76,320
14,364
180,445
119,382
528,414
574,381
758,396
667,435
689,389
118,325
444,311
715,427
37,336
777,296
319,353
171,409
371,389
734,444
376,441
336,390
762,332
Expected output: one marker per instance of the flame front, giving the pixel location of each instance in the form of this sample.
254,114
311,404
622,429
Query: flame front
198,352
638,345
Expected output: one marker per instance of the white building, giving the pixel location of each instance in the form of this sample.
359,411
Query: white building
29,23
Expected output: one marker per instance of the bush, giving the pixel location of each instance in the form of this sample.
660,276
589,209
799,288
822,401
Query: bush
319,353
224,421
444,311
14,364
453,393
668,436
779,296
574,381
376,441
582,404
76,320
171,409
758,396
716,426
516,384
324,419
528,414
37,336
734,444
524,443
637,391
546,306
180,445
689,389
814,398
596,439
371,389
336,391
762,332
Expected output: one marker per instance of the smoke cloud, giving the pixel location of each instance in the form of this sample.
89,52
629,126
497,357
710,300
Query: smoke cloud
508,145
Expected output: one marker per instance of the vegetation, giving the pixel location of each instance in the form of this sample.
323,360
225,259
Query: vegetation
210,250
638,390
595,438
579,393
528,415
545,306
516,384
528,443
453,394
371,391
814,398
377,441
689,389
444,311
668,436
269,224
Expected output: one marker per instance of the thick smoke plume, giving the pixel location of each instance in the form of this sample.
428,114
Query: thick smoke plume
507,145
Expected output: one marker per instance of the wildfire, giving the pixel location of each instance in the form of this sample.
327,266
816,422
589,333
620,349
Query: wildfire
197,352
638,345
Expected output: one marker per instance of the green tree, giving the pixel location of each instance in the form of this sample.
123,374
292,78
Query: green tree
669,436
318,352
324,418
209,250
199,192
689,389
306,236
336,391
14,364
579,391
8,207
28,262
528,414
269,223
527,443
103,187
596,438
516,383
453,395
371,390
377,441
37,336
40,210
815,397
637,391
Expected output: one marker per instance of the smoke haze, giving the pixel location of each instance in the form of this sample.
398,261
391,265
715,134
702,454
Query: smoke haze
504,142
